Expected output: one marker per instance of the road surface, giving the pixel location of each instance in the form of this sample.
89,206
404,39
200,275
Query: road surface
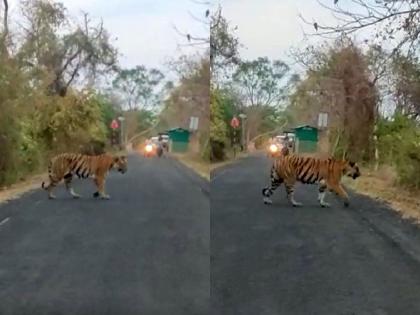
282,260
145,251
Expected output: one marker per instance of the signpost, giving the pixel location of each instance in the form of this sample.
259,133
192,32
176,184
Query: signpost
234,123
193,123
121,119
322,120
114,126
244,144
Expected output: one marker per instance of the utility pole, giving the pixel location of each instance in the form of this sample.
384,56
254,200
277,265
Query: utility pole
121,119
243,119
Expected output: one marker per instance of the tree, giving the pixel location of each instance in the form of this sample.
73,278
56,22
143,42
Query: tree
224,45
190,97
195,40
52,46
5,36
218,130
396,22
139,86
406,77
137,121
261,81
340,85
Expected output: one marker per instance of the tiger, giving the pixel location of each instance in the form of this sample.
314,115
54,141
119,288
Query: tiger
289,168
66,165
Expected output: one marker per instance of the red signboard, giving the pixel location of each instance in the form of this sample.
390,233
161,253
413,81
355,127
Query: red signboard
114,124
234,122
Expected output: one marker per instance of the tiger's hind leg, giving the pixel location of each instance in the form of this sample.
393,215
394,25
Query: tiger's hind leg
322,191
67,180
290,190
53,183
275,182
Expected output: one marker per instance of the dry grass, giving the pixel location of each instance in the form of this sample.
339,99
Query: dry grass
381,185
14,191
230,159
194,162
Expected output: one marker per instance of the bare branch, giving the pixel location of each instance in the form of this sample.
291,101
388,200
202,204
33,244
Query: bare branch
395,20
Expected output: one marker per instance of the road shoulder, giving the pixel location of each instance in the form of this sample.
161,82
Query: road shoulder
199,180
195,164
15,191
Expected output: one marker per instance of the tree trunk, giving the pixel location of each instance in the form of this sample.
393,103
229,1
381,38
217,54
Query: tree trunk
4,49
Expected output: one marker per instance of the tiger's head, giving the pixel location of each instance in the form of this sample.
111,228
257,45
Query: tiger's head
351,169
120,163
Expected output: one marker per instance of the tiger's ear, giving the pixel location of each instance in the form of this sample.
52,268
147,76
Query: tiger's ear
352,164
116,159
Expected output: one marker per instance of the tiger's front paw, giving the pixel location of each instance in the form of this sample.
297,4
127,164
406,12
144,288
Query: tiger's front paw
267,201
101,196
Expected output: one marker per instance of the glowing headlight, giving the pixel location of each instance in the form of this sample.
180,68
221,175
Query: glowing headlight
149,148
273,148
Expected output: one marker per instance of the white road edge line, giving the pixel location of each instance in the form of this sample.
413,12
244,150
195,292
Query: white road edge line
4,221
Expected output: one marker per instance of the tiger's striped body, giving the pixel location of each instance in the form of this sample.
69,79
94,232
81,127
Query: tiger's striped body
291,168
66,165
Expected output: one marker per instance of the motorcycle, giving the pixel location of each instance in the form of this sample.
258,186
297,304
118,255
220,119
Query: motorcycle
159,150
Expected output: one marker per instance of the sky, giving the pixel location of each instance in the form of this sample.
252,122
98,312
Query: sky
144,29
271,27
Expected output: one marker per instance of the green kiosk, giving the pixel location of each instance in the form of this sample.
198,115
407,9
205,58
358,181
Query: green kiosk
179,139
306,139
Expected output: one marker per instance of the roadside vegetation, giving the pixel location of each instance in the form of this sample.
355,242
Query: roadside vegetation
371,90
42,60
254,91
62,84
368,84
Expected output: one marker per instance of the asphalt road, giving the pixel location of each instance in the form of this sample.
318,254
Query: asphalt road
282,260
145,251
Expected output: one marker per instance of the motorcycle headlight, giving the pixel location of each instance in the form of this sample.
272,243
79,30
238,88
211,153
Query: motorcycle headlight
273,148
149,148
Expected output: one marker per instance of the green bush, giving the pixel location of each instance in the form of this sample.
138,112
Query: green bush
399,146
34,125
14,97
69,123
218,129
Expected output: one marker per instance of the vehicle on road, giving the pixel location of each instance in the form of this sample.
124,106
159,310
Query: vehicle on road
275,146
277,143
290,139
153,147
149,149
164,140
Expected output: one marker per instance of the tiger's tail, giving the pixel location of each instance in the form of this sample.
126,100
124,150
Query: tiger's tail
44,186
